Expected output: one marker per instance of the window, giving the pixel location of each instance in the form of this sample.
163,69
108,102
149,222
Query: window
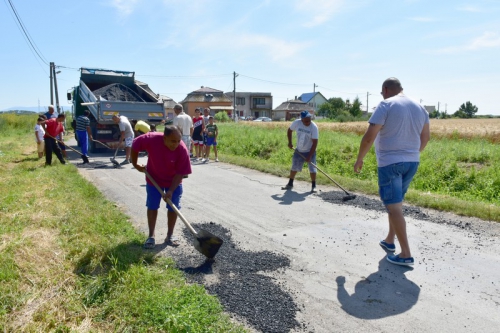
240,100
259,101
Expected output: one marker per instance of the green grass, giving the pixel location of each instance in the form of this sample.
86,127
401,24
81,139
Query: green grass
70,260
456,175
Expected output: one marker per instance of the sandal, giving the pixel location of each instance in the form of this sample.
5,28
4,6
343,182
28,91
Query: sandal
150,243
172,241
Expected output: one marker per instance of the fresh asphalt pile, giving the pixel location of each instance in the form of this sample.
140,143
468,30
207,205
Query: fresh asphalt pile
117,92
375,204
241,286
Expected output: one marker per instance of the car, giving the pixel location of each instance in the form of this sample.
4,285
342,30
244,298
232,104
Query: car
263,119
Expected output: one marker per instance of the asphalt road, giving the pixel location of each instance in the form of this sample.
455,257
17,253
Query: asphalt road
300,262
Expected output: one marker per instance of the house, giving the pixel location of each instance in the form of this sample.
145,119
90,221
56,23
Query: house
291,110
313,99
168,105
207,97
252,104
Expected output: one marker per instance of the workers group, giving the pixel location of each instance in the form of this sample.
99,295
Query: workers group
399,128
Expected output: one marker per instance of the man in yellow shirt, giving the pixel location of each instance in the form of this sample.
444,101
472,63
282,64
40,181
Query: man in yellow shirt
140,127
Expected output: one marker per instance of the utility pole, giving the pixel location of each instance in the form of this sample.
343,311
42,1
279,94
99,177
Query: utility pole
234,97
51,84
56,91
367,94
314,97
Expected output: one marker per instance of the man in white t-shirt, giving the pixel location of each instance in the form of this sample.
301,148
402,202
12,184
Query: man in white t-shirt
399,127
305,152
126,134
185,124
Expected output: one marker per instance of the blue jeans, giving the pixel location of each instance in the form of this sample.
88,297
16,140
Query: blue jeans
394,179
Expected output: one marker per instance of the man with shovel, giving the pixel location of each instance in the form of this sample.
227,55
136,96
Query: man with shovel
305,152
168,162
399,127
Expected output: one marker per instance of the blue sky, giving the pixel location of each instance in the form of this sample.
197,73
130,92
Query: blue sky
443,51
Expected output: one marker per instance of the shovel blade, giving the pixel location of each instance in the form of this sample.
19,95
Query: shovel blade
207,243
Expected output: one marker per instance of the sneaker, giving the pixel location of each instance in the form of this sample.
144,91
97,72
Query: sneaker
203,160
395,259
207,160
287,187
125,162
216,160
387,246
313,189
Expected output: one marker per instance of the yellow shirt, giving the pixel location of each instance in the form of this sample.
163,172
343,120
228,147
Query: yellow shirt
142,126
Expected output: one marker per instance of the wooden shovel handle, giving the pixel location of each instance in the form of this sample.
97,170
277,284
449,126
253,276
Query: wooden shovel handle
171,204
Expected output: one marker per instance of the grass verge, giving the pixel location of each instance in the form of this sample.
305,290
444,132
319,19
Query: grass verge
71,261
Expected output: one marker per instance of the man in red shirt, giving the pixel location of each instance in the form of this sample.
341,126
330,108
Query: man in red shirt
53,127
168,162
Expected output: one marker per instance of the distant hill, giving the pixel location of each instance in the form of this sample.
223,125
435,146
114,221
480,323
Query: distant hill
41,109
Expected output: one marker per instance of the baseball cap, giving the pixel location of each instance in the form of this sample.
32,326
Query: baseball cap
305,114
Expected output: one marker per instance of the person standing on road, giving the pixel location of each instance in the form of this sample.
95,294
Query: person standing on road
39,133
212,134
206,118
198,129
53,128
83,132
168,162
307,141
126,134
50,113
400,129
185,124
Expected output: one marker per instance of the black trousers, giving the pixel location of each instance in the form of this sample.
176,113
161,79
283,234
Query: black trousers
52,146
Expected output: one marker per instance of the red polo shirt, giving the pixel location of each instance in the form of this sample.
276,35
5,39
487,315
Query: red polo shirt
54,128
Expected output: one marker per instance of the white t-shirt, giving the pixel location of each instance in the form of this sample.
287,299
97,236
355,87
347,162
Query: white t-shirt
126,127
40,132
399,139
184,122
305,135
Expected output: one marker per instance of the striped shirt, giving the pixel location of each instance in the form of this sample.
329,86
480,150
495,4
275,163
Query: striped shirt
82,123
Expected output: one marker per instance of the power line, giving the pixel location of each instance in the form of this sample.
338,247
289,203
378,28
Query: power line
26,34
282,83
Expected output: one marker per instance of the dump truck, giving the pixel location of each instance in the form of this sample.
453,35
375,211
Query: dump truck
106,93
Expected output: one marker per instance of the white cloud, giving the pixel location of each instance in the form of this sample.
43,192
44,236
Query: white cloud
469,8
124,7
317,12
486,40
422,19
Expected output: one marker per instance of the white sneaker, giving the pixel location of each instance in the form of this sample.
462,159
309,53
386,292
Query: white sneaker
203,160
216,160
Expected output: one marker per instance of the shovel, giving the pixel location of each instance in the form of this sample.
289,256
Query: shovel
205,242
84,158
113,159
348,197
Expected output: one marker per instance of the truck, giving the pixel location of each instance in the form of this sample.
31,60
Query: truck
106,93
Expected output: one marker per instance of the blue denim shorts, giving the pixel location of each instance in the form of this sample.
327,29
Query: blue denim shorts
298,162
154,197
394,179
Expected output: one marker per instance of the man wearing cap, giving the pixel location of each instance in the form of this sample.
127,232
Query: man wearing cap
305,152
185,124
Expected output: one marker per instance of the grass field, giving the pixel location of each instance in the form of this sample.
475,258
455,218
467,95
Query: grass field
70,261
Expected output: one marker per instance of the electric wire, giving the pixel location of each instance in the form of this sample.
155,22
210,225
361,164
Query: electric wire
26,34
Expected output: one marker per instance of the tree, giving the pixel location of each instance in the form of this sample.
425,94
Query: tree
222,117
355,108
467,110
332,108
